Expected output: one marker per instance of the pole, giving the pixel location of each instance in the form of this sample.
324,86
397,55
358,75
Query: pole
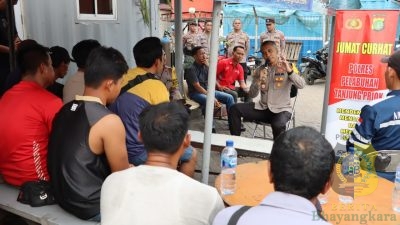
328,80
256,30
178,43
11,34
210,92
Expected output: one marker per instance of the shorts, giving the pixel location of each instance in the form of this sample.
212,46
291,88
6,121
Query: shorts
141,159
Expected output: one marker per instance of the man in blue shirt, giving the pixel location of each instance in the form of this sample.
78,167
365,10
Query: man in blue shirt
379,123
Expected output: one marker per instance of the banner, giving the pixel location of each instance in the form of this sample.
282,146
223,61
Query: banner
361,39
277,4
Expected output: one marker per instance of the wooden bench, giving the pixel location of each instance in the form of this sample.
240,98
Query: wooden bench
292,49
245,146
47,215
193,105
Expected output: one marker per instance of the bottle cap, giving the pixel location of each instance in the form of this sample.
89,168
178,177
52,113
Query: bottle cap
229,143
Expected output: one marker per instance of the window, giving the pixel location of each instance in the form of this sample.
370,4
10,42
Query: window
96,9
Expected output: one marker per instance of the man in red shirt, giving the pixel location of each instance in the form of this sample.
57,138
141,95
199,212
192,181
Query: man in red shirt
26,115
228,71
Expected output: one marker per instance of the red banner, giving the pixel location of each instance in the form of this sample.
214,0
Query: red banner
361,39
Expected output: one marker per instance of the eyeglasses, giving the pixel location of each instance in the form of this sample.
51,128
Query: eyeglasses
269,24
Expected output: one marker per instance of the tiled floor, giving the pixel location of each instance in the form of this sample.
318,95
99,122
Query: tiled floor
308,113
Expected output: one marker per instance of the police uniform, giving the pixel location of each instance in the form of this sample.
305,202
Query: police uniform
277,36
205,40
190,40
238,39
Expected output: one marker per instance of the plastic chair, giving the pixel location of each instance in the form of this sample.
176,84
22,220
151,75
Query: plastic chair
291,122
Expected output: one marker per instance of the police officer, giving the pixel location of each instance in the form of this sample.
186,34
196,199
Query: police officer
238,38
272,34
190,40
205,37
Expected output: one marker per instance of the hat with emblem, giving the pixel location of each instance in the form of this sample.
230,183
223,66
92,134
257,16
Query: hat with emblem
270,20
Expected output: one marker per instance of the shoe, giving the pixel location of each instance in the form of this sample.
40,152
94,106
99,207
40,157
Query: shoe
213,131
242,128
246,121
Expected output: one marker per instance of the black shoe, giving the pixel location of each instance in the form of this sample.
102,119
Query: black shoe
246,121
213,131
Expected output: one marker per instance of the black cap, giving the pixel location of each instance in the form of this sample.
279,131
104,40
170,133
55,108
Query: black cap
393,61
270,20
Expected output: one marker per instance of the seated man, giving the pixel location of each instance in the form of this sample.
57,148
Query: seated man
26,115
75,85
87,142
378,127
301,167
155,193
140,89
60,58
229,71
273,81
197,80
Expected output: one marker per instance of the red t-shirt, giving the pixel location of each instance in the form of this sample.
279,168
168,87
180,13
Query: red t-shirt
228,73
26,114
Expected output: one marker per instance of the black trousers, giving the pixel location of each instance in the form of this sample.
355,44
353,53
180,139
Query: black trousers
248,112
238,92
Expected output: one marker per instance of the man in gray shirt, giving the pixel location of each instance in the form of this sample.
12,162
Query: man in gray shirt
301,164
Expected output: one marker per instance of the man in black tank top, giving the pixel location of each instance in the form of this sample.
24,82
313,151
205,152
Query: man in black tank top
87,142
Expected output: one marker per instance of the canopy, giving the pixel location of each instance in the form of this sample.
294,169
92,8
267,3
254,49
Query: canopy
277,4
202,9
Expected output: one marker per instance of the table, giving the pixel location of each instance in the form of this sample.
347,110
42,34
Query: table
252,185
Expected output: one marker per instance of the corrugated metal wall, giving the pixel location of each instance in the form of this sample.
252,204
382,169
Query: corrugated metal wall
54,23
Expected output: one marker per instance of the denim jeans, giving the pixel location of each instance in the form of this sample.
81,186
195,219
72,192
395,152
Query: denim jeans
141,159
225,98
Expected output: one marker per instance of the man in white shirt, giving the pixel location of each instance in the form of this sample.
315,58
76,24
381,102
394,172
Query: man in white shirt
156,193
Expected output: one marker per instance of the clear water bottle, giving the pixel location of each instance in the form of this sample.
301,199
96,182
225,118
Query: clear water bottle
350,170
396,191
228,169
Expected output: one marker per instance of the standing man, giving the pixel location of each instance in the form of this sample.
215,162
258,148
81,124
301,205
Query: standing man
155,193
273,83
238,38
26,117
87,142
190,40
300,168
378,126
229,71
141,88
4,42
205,37
272,34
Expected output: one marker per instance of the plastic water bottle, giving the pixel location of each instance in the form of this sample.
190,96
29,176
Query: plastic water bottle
396,191
350,170
228,169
